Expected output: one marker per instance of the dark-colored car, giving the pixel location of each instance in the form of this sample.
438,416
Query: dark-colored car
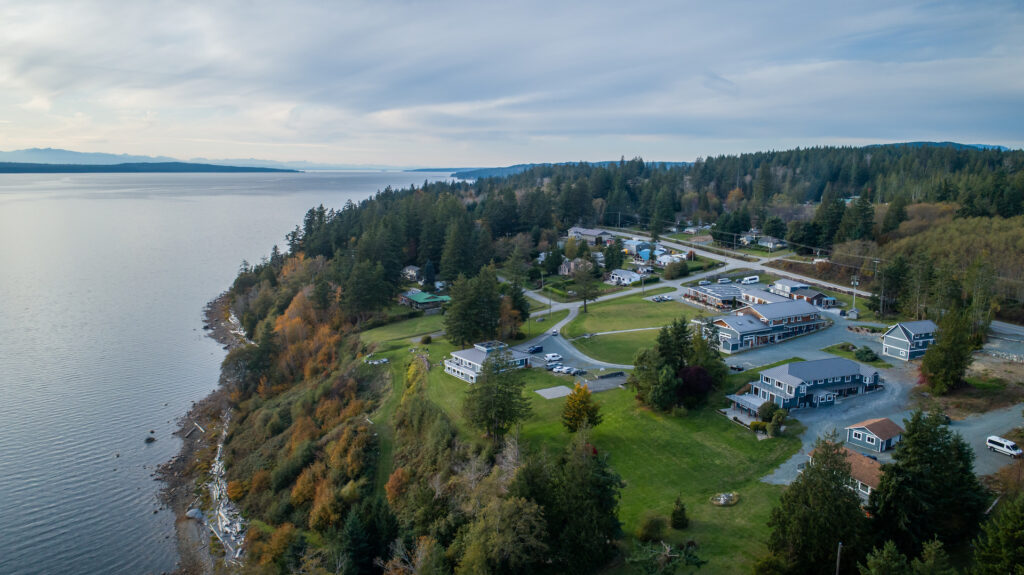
736,367
535,349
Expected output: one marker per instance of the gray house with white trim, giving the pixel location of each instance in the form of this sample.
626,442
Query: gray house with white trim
909,340
763,324
808,384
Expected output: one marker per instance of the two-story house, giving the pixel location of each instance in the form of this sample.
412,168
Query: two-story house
807,384
466,364
778,321
909,340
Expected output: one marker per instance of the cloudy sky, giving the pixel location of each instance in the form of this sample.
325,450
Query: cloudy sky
496,83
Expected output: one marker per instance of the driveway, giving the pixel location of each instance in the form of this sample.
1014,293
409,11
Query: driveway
890,402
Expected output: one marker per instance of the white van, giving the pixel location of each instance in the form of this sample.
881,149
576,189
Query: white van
724,281
750,280
552,357
1004,446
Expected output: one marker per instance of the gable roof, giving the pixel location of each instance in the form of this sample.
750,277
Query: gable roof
862,468
799,372
808,292
883,428
919,327
587,231
782,309
425,297
907,330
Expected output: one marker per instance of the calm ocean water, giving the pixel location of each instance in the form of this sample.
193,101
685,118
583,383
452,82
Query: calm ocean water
103,278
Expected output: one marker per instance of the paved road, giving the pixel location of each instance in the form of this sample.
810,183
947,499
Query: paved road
891,402
732,263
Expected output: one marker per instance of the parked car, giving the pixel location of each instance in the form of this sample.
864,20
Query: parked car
1002,445
552,357
724,281
535,349
552,366
704,283
736,367
554,332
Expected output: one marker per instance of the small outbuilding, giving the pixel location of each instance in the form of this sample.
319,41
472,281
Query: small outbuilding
874,434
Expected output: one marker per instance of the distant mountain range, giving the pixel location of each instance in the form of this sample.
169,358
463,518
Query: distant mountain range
69,157
476,173
128,167
68,161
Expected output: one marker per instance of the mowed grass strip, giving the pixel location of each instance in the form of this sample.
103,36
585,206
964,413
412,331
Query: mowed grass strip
840,350
404,329
629,312
616,347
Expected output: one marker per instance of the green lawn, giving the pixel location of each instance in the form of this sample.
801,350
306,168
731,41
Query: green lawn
616,347
839,349
628,312
404,329
865,313
534,327
660,457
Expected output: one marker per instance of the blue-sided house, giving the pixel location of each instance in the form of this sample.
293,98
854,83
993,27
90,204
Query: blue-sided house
874,434
762,324
909,340
808,384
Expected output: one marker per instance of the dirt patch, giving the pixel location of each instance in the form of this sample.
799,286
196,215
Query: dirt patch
198,430
995,383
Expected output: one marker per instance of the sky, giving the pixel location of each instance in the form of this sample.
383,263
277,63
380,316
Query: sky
453,84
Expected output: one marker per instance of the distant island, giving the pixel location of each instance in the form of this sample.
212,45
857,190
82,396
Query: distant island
126,168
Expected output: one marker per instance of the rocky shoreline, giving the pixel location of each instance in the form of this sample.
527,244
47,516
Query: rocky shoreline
199,436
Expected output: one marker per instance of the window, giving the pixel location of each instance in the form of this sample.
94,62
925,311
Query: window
858,435
871,440
903,353
789,389
847,378
863,487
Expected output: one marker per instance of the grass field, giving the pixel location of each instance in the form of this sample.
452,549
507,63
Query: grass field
616,347
628,312
406,329
840,350
659,457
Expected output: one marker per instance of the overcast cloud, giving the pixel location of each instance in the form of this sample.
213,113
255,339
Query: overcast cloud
485,83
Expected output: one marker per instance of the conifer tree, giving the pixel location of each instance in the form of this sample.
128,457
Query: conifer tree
999,549
817,512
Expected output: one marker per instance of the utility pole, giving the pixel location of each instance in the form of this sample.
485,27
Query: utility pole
839,553
881,297
854,283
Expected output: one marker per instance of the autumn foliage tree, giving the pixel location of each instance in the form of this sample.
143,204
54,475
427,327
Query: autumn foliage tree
580,409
